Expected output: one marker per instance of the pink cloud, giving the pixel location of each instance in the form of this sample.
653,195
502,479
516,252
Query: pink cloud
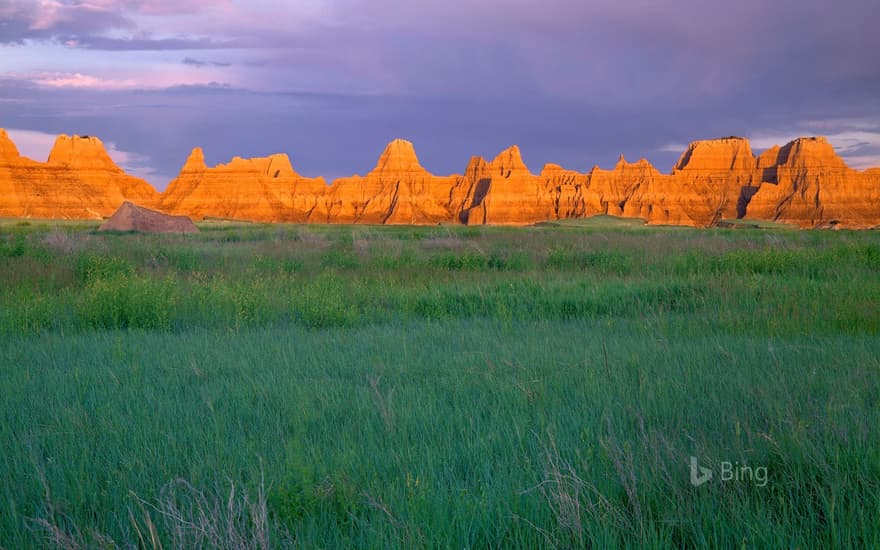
173,7
48,16
144,80
79,80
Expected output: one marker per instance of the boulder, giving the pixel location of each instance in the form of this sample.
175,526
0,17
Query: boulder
131,217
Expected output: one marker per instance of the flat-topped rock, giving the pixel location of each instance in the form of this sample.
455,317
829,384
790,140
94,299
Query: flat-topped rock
729,154
83,152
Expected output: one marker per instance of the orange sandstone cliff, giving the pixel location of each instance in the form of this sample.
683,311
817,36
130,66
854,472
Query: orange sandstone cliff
79,181
505,192
706,185
807,184
803,183
397,191
259,189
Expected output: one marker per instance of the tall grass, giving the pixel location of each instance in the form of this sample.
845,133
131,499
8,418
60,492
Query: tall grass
442,387
336,277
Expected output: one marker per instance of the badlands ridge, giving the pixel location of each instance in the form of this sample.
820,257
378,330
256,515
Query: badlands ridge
804,183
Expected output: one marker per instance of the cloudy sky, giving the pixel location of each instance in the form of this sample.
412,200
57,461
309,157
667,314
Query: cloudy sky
330,82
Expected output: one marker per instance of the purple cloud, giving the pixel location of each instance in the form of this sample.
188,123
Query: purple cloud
80,20
330,82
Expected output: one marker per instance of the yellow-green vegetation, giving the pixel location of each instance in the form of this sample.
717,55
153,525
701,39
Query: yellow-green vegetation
338,386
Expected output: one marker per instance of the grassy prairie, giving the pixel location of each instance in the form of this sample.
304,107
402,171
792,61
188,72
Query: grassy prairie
338,386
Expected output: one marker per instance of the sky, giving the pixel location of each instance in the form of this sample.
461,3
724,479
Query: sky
331,82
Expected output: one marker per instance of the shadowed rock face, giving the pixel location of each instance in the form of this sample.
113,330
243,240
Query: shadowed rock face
803,183
79,181
131,217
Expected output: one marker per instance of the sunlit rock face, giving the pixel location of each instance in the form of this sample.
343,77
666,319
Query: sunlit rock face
397,191
256,189
803,183
79,181
807,184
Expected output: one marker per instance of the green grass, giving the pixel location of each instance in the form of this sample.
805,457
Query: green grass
438,386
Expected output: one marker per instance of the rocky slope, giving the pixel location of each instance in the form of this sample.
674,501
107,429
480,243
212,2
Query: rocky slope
79,181
803,183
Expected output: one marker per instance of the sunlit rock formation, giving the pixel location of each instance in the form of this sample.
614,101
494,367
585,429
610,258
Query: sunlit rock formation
803,183
809,185
79,181
258,189
397,191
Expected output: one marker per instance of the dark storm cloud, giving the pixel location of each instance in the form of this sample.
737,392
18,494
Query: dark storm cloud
24,20
337,134
87,21
204,63
147,43
571,82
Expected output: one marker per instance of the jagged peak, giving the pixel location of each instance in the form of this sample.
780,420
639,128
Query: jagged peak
80,151
7,146
399,156
510,162
476,168
195,160
623,163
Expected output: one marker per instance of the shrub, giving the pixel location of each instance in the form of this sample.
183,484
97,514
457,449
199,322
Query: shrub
94,267
340,259
15,249
321,303
603,261
128,302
